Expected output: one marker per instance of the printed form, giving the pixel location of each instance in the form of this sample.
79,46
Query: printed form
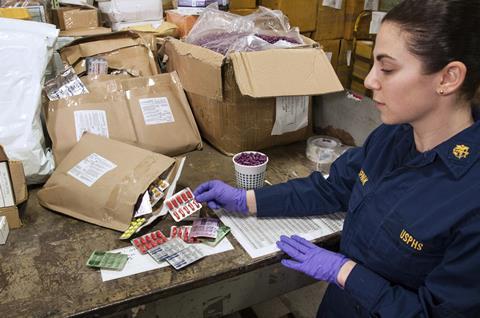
258,235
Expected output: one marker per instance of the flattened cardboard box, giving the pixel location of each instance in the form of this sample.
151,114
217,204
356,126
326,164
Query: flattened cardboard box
124,51
17,178
149,112
300,13
109,201
233,97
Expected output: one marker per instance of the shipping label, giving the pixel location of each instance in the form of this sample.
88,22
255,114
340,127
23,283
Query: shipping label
92,121
336,4
90,169
156,111
291,114
6,190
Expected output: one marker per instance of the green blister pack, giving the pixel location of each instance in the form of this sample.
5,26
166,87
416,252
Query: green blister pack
223,230
115,261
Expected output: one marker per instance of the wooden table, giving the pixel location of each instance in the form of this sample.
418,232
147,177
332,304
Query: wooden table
43,271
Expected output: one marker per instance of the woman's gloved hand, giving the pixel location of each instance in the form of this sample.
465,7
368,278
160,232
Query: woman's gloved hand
310,259
218,195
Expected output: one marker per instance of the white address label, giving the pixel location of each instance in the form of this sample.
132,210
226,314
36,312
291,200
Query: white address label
92,121
6,190
156,111
90,169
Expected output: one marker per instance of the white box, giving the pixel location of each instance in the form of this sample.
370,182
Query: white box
3,229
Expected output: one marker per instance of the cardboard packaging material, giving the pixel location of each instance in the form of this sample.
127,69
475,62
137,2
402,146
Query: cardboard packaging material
68,18
330,23
101,180
13,189
346,49
300,13
352,11
124,51
183,22
242,4
149,112
343,73
80,32
234,99
332,50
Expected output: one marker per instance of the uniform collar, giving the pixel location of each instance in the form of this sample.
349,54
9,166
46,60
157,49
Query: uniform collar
461,151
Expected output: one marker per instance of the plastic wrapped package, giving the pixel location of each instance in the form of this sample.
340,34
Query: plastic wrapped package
38,10
226,32
27,46
130,11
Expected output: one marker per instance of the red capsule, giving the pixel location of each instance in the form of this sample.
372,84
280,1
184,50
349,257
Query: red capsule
174,231
148,246
179,233
192,207
160,234
176,215
189,194
147,238
169,205
184,197
154,244
179,199
137,242
143,250
142,239
175,203
181,212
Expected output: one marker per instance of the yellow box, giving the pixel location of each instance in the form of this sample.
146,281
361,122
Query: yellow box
364,49
361,68
243,11
301,13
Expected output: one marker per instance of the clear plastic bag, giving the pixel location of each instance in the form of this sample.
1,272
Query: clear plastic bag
225,32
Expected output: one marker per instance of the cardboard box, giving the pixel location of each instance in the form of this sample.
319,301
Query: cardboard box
124,51
352,11
243,12
104,191
364,49
233,98
149,112
387,5
85,32
183,22
330,23
332,50
344,75
68,18
242,4
300,13
346,49
361,68
13,189
358,87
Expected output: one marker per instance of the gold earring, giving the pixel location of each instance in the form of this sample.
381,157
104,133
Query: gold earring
441,92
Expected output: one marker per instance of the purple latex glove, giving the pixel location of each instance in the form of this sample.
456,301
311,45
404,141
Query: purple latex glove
218,195
310,259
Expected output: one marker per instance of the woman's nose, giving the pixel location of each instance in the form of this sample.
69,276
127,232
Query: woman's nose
371,81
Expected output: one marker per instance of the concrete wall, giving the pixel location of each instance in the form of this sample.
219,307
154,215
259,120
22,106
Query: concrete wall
347,119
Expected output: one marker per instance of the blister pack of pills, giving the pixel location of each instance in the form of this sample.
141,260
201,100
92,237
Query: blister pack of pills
185,257
206,227
183,233
161,252
134,225
115,261
149,241
182,205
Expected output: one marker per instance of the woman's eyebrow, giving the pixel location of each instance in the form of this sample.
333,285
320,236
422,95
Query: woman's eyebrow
382,56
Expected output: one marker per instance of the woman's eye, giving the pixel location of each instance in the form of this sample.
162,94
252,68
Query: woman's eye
387,71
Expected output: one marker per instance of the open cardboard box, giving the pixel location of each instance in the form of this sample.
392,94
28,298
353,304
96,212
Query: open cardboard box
233,97
13,188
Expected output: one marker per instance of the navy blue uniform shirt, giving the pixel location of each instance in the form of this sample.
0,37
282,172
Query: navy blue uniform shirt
412,224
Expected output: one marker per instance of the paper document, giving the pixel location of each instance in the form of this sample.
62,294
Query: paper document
138,263
258,235
291,114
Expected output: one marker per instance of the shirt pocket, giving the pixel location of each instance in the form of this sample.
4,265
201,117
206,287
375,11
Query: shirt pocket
400,252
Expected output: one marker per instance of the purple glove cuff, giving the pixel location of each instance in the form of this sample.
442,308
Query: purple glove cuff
241,201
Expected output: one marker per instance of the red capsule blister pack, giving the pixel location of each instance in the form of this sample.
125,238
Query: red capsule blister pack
183,233
182,205
149,241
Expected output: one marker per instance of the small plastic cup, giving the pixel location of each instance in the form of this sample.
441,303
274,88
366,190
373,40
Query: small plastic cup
250,177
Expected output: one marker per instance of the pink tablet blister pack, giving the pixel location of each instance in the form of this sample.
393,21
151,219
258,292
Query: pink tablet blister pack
183,233
182,204
149,241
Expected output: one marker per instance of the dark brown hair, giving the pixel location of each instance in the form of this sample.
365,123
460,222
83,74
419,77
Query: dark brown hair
443,31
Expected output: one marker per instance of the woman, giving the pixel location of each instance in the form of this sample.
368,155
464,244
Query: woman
411,240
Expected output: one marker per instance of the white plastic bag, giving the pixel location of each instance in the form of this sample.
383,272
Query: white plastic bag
132,10
26,48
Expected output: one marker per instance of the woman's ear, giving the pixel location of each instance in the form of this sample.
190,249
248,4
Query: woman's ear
451,78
